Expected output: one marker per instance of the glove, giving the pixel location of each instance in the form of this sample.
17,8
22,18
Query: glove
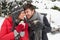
22,22
18,32
22,33
20,27
18,35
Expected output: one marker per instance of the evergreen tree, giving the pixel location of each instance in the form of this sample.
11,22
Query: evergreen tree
4,7
56,8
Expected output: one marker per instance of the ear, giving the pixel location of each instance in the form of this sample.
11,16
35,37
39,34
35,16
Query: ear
33,11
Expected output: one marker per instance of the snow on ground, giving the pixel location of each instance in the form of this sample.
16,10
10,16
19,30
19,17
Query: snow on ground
53,37
55,17
1,21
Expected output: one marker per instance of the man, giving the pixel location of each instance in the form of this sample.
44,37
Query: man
41,24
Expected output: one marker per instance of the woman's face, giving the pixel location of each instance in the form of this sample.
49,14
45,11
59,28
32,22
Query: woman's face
21,15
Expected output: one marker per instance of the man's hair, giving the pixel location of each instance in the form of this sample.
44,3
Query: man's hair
29,6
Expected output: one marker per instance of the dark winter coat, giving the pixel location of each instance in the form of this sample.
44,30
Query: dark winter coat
44,26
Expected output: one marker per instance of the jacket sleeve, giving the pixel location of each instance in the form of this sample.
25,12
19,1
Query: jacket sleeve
47,27
5,33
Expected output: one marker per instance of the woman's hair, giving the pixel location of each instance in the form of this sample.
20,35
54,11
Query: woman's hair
15,12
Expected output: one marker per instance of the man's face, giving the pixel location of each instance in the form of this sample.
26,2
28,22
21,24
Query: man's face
29,13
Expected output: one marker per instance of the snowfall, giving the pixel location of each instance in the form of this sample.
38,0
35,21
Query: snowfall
53,16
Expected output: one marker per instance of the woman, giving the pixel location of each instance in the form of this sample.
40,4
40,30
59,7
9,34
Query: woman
14,27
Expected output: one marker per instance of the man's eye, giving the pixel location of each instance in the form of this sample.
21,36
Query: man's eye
27,11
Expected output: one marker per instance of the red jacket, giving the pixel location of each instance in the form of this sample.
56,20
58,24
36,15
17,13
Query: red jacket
7,34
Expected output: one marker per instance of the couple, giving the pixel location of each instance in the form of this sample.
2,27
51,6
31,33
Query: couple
21,24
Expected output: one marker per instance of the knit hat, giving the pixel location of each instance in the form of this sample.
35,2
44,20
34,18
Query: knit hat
15,11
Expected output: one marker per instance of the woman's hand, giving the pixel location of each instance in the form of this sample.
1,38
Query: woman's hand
22,22
22,33
20,27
